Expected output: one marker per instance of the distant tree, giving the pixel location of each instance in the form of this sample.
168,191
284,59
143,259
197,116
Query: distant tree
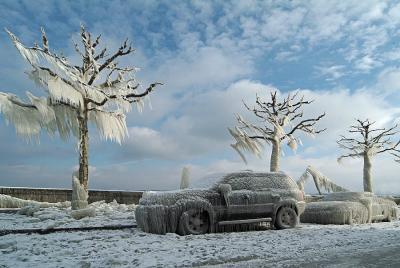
76,96
279,122
373,141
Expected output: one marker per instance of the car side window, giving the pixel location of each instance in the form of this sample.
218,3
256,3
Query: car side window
238,182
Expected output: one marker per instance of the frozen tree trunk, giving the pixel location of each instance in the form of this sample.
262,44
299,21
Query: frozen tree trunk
83,150
367,173
275,154
80,184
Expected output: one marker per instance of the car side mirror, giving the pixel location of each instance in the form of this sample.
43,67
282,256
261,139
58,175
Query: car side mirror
224,190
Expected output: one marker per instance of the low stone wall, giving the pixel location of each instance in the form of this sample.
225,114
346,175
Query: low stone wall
61,195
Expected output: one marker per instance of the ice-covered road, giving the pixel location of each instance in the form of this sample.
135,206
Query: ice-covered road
368,245
306,246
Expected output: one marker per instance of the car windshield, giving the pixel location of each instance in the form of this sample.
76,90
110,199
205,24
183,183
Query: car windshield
207,182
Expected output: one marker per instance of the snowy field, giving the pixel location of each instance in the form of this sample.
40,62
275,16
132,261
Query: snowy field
369,245
44,218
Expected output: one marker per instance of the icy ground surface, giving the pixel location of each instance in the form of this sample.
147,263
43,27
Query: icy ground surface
368,245
106,214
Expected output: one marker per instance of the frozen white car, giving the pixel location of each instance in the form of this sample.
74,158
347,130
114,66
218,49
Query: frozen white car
349,208
234,202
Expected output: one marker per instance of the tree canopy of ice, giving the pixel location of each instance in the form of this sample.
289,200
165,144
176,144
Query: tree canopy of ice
280,121
320,181
69,89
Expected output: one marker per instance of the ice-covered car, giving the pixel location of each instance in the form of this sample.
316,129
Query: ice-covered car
232,202
349,208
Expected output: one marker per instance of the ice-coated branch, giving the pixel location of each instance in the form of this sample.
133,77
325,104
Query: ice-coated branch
320,181
307,126
369,143
124,49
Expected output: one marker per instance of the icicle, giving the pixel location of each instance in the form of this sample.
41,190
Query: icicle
42,106
111,125
34,56
235,147
299,141
61,91
66,121
302,180
39,77
149,101
286,120
139,105
320,181
27,121
122,104
245,143
292,143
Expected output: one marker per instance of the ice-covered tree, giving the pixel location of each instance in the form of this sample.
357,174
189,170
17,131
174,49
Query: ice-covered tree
365,142
99,91
279,121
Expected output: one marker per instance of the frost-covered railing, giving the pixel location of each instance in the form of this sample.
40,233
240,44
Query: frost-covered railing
61,195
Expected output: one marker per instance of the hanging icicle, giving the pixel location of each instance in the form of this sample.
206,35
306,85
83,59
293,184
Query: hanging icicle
111,125
61,91
26,120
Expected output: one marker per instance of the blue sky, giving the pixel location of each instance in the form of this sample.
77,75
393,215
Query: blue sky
211,55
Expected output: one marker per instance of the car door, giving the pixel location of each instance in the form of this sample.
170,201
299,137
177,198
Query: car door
240,206
264,203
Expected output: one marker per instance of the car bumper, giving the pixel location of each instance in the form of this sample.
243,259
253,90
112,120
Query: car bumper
156,219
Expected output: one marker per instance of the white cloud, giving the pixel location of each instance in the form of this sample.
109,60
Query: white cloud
333,72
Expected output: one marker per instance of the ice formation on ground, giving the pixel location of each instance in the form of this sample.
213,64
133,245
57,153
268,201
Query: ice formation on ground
185,178
52,216
83,213
79,194
309,245
7,201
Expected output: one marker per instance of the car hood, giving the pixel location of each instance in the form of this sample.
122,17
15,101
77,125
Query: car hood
168,198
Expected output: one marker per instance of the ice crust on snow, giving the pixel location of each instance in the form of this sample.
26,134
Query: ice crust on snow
7,201
53,216
134,248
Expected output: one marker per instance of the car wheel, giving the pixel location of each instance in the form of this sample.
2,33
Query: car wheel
193,221
286,218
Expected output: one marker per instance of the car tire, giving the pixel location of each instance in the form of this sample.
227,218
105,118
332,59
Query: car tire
193,221
286,218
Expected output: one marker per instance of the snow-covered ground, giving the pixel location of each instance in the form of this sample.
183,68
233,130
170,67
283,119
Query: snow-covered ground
106,214
368,245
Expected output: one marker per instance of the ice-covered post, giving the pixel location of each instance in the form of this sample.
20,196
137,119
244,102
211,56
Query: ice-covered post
373,141
280,121
99,91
